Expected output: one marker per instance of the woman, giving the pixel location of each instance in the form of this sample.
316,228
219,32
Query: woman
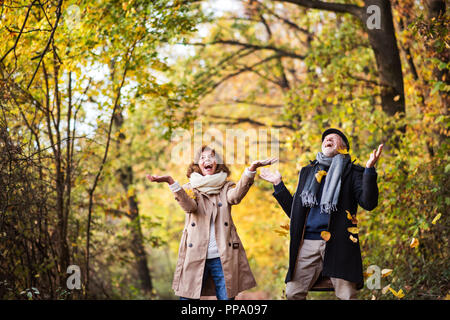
211,254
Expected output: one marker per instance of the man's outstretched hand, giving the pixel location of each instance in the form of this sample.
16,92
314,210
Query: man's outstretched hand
273,177
374,156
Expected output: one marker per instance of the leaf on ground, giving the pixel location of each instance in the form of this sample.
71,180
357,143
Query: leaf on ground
438,216
398,294
414,242
386,272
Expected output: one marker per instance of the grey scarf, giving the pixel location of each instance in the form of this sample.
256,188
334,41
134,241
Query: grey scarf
332,187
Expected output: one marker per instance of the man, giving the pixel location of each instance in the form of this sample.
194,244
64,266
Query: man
324,241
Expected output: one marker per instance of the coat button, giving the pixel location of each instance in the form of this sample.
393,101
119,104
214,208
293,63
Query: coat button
190,245
193,224
219,204
226,224
229,244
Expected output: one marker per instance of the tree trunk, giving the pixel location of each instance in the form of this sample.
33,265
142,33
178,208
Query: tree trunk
137,242
384,44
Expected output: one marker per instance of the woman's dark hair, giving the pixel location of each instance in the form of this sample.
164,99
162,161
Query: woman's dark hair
194,167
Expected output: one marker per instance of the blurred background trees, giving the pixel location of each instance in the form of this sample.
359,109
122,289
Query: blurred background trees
91,93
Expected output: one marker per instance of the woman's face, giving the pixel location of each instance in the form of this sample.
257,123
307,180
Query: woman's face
207,162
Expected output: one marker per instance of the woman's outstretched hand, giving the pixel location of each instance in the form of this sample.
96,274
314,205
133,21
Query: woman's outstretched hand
273,177
167,179
261,163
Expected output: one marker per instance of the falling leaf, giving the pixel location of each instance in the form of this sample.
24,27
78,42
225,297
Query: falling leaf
355,240
190,193
438,216
342,151
398,294
319,175
281,233
352,218
414,243
385,289
349,216
386,272
325,235
396,98
353,230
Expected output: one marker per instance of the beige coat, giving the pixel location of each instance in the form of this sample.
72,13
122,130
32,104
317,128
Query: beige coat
199,207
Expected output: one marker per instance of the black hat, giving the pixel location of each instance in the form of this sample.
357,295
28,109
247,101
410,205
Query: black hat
333,130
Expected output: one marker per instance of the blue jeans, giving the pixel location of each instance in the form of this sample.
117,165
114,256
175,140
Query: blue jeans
214,267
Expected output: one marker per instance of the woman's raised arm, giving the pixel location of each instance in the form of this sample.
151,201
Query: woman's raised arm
187,203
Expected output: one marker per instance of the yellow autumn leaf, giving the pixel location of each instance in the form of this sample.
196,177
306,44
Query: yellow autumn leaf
319,175
325,235
438,216
396,98
353,230
281,233
349,216
367,273
190,193
352,218
342,151
398,294
355,240
414,242
386,272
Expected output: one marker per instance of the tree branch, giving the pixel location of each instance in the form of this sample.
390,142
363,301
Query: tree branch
355,10
49,41
280,51
233,121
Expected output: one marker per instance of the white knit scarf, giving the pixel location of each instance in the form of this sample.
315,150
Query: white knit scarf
209,184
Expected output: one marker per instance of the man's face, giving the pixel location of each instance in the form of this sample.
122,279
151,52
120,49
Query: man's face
331,144
207,162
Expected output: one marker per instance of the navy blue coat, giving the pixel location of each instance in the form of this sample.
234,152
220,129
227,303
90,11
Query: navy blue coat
342,256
